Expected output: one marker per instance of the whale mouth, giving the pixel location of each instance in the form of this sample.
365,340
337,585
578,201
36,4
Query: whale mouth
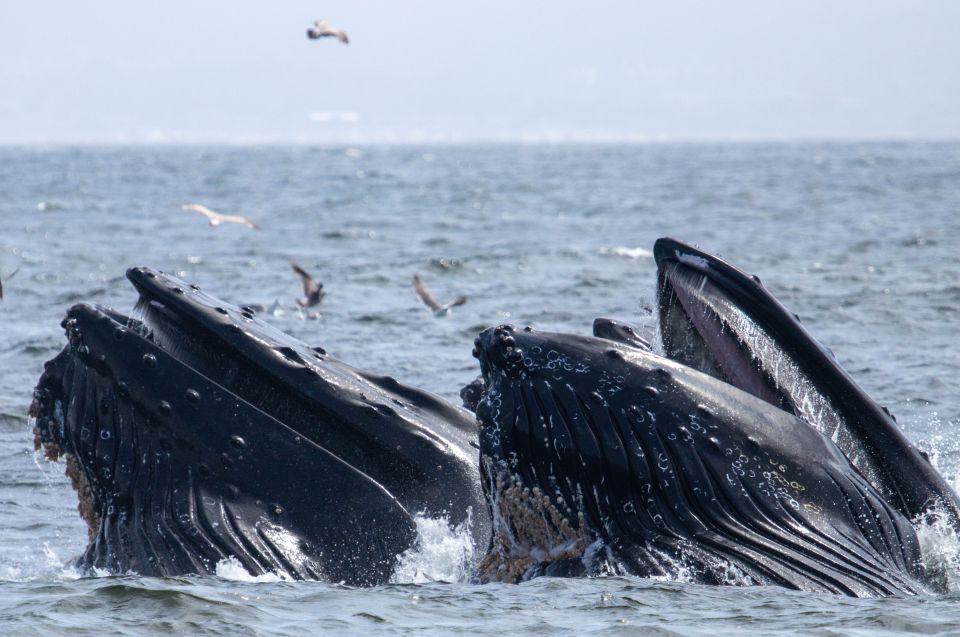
197,397
168,486
722,322
601,457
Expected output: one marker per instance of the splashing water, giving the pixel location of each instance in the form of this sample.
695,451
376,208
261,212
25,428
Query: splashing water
940,547
442,554
231,569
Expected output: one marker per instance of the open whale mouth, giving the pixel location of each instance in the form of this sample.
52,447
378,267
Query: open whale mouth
198,433
724,323
721,321
168,485
599,456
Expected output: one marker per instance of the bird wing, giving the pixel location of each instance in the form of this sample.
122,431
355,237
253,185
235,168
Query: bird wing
310,286
425,296
342,36
460,300
196,207
240,220
321,25
9,276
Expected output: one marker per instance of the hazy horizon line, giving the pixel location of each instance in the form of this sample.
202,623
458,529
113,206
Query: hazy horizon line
454,140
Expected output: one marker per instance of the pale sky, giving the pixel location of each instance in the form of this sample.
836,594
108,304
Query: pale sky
448,70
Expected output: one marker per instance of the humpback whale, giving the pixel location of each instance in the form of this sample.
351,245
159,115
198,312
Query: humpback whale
199,433
743,454
599,455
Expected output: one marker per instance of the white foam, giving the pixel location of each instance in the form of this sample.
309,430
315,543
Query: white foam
629,253
231,569
444,553
940,547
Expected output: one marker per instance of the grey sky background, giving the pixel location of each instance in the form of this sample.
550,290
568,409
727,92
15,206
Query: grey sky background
239,71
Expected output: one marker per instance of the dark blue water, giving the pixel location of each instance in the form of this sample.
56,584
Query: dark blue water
859,239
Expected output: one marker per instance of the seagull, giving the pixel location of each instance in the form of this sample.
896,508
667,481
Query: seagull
323,29
10,276
312,290
430,302
216,218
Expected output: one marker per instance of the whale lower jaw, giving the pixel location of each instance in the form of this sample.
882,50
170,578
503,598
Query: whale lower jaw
725,323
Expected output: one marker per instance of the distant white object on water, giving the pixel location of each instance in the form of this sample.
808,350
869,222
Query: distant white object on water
216,218
630,253
323,29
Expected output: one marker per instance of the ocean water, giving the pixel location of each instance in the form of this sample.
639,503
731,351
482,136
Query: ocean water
859,239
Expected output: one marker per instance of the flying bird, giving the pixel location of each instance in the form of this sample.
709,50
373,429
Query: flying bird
10,276
216,218
323,29
430,302
312,289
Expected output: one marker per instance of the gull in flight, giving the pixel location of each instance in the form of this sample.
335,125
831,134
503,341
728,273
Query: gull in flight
312,289
10,276
216,218
430,302
323,29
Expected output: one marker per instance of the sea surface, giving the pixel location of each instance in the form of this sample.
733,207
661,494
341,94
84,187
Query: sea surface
861,240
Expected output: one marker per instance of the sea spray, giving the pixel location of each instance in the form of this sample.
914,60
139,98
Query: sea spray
443,553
